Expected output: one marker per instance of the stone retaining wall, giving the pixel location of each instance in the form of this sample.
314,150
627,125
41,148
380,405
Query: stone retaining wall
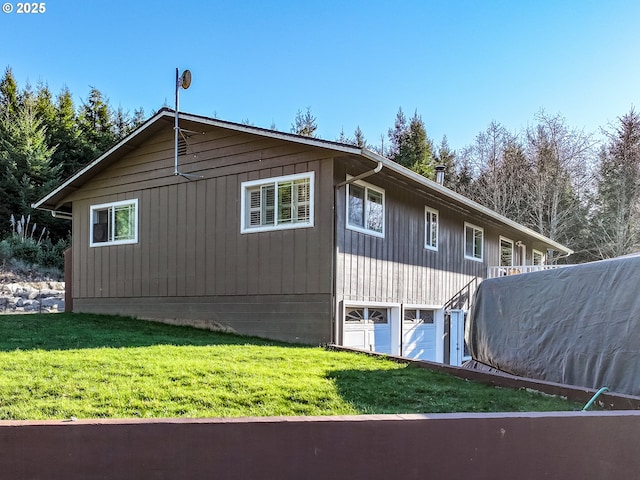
32,297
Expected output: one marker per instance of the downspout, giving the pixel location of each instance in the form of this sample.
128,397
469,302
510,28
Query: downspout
334,261
63,215
361,176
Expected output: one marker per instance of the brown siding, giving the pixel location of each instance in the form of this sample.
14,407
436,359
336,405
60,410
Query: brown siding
398,268
290,318
190,245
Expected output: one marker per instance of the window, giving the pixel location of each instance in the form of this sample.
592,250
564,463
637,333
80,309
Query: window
473,242
416,316
506,252
537,258
365,209
114,223
277,203
366,315
430,228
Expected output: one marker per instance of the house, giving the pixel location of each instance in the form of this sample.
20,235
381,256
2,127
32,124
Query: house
280,236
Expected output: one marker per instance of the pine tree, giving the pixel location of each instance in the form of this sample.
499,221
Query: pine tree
304,124
26,159
97,125
358,138
445,156
615,223
397,135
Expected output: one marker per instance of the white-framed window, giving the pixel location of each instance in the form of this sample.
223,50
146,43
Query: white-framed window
430,228
114,223
506,252
277,203
365,208
473,242
537,257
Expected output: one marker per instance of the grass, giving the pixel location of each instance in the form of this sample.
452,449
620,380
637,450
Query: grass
91,366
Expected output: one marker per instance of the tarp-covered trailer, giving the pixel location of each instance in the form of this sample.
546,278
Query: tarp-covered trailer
578,325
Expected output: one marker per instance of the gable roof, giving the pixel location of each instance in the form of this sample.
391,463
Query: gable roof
55,200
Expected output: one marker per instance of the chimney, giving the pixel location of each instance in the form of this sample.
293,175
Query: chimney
440,174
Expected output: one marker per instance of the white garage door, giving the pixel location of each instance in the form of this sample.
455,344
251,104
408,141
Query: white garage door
367,328
419,334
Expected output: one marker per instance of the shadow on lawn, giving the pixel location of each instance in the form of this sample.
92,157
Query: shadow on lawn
67,331
403,390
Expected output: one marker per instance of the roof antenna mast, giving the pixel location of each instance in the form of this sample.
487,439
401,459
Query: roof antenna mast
182,81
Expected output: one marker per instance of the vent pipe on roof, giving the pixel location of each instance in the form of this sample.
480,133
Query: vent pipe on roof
440,174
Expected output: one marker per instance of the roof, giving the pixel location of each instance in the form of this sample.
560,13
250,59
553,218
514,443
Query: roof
55,200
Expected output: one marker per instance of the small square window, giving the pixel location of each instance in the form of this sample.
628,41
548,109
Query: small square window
365,209
114,223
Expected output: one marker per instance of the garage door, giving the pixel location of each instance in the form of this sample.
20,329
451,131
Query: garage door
419,334
367,328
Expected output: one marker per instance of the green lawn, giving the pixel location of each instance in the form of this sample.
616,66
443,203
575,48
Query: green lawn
88,366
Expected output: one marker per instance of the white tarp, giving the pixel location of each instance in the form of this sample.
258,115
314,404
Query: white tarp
577,325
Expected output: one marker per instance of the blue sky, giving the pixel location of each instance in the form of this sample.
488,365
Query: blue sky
460,64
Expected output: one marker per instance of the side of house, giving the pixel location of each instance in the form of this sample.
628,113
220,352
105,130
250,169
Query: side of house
269,234
191,259
410,255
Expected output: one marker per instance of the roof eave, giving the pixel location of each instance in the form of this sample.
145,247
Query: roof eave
391,165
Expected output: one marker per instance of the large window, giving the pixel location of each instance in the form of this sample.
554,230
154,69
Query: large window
114,223
473,242
430,228
277,203
365,208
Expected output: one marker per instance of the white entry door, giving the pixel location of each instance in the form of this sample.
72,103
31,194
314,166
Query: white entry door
457,348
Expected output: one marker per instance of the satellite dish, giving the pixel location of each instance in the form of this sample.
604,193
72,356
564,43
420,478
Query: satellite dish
185,80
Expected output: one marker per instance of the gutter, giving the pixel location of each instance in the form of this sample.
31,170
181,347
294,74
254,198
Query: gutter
360,177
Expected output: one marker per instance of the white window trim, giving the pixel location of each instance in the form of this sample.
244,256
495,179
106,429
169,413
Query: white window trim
103,206
513,250
244,186
533,253
375,188
464,243
429,210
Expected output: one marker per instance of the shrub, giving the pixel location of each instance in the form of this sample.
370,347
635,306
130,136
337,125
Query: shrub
6,251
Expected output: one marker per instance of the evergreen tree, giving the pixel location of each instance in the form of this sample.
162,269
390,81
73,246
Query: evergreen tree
397,135
26,158
9,99
358,138
615,223
304,124
410,145
445,156
97,125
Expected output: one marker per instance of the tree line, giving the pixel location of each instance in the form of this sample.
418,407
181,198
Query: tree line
574,188
564,183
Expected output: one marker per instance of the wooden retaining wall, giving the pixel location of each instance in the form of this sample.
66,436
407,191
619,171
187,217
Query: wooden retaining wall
584,445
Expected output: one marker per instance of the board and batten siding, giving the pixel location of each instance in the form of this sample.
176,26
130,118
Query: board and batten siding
398,268
191,261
